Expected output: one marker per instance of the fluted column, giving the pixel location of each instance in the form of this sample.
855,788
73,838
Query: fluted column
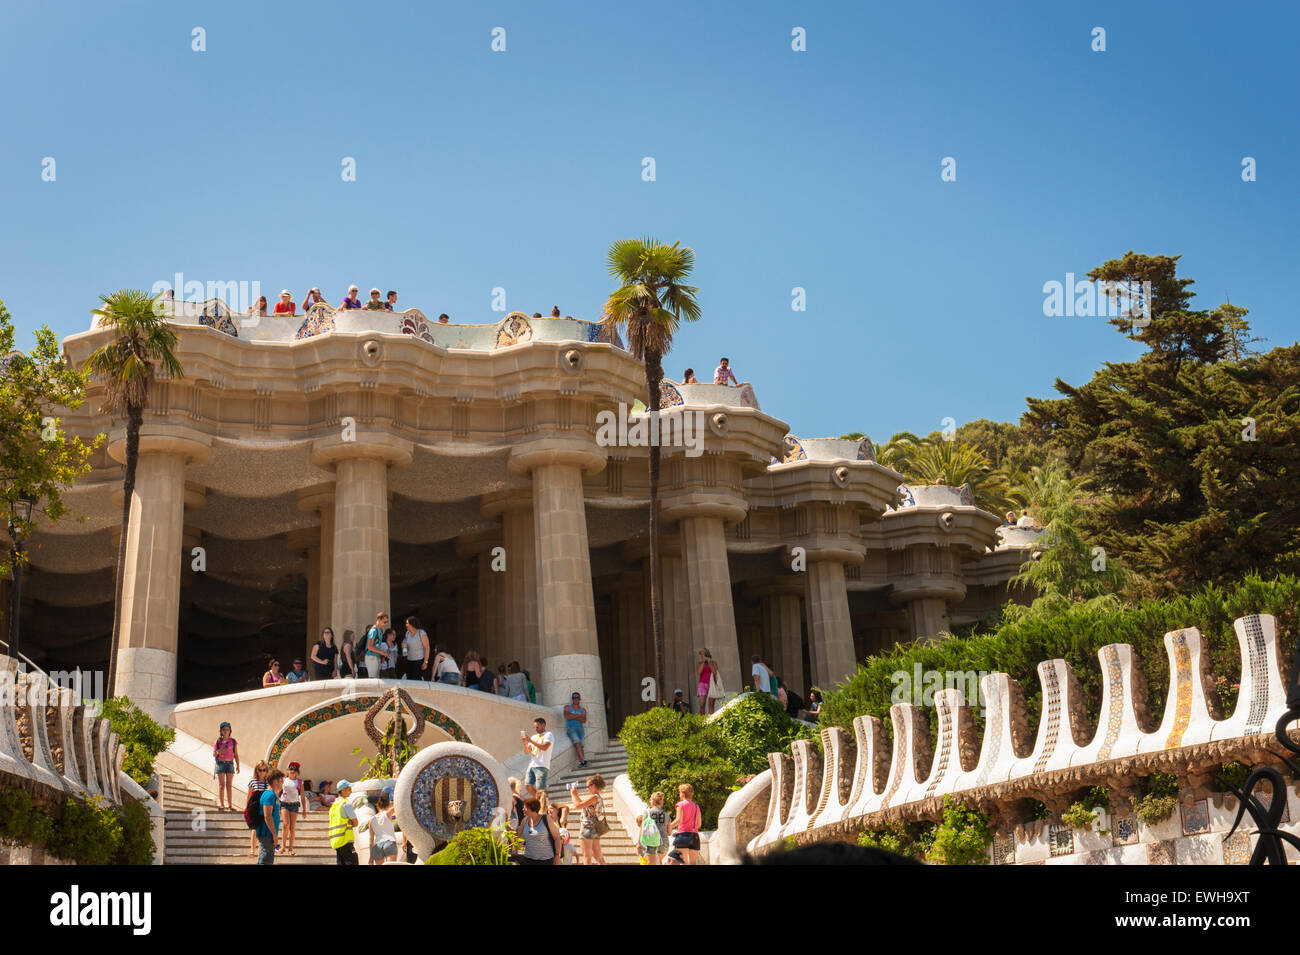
320,563
708,582
360,575
830,629
151,575
566,609
679,649
781,602
518,623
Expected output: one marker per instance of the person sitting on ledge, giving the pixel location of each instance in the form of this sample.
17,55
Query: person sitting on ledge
688,377
723,373
391,304
376,304
259,308
443,319
352,300
939,482
1011,519
297,674
285,306
272,676
555,311
537,314
312,298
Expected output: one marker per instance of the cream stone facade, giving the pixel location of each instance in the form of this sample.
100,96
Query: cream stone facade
308,472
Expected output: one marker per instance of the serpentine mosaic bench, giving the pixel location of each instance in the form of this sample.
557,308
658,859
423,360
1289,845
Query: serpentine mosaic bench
861,784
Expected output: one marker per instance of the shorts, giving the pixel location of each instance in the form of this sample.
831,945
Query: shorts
644,850
537,776
290,806
702,690
588,830
451,679
225,767
384,850
687,840
576,733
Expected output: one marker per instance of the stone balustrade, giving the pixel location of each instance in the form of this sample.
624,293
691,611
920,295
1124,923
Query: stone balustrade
48,738
857,786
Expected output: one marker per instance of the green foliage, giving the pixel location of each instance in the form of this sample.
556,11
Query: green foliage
1038,810
137,846
380,766
1157,798
16,814
1231,776
925,460
1017,646
36,457
1097,797
140,734
1078,816
665,749
911,839
962,838
1190,492
479,846
754,726
87,831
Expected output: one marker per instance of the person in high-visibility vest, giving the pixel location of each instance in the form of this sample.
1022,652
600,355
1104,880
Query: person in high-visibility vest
343,819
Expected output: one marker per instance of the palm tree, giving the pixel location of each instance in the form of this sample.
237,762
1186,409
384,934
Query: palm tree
956,464
139,351
651,302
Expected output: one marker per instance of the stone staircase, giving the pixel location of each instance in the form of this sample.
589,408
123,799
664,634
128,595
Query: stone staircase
221,838
615,845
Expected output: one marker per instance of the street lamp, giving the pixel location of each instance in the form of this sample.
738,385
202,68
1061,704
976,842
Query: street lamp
20,513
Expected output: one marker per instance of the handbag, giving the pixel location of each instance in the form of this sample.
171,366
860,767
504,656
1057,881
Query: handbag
602,824
716,691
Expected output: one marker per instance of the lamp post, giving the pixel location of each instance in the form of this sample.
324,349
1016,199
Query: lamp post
20,513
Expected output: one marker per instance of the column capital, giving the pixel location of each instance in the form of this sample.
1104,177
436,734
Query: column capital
194,446
312,500
819,548
513,500
373,444
723,505
579,452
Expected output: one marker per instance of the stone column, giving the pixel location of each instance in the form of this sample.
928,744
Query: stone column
320,564
679,650
830,629
634,656
360,579
566,609
928,617
488,592
151,575
781,602
708,580
518,623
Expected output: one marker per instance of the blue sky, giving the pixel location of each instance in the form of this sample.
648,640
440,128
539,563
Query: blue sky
816,169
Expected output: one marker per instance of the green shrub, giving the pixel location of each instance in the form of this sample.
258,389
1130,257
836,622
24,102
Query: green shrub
1231,776
480,846
962,838
755,726
912,839
16,813
87,832
1074,634
665,749
1078,816
137,846
142,737
1157,798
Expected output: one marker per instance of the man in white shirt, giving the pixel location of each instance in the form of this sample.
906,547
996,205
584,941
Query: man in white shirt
538,746
762,678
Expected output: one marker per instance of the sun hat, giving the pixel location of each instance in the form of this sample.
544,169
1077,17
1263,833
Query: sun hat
285,291
341,785
374,291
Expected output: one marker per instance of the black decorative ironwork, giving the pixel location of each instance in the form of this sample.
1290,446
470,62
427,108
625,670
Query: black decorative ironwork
1270,849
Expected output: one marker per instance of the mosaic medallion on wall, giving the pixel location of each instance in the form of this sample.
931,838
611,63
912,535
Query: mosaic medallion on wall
1196,817
1162,853
319,320
1004,849
1061,839
361,704
513,330
1123,831
1236,849
454,778
1096,857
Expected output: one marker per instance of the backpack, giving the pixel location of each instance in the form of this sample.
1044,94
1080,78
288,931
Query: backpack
253,808
649,832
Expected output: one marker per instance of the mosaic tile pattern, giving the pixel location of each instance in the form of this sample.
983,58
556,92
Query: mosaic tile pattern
1183,681
1115,714
1162,853
220,320
514,330
1051,714
967,495
361,704
1061,839
993,730
900,750
670,397
945,746
1096,857
1196,818
865,451
319,320
905,498
1004,848
1236,849
1123,831
793,450
418,327
1259,674
454,777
